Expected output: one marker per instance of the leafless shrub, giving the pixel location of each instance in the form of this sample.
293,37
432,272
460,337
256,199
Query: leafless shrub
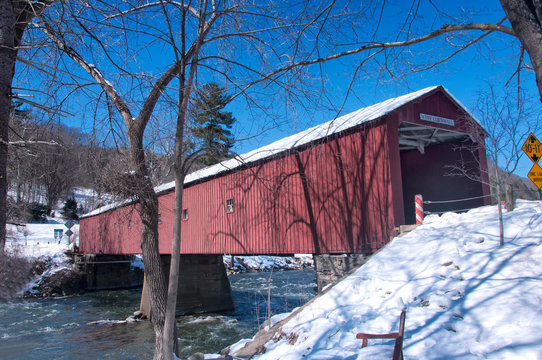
15,273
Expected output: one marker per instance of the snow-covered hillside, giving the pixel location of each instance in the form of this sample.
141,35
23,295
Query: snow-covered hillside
465,296
38,240
37,243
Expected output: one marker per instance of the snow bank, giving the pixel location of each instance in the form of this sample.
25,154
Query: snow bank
466,297
267,263
38,240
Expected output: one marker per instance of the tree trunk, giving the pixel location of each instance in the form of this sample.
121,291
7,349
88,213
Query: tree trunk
526,19
185,88
170,333
14,16
154,274
509,198
8,56
499,205
148,202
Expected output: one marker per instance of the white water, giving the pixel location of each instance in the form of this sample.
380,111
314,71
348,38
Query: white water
91,326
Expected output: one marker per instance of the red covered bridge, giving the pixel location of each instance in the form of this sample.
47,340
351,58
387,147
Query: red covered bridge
339,187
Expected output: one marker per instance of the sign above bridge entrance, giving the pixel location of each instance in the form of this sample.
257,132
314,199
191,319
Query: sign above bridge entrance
437,119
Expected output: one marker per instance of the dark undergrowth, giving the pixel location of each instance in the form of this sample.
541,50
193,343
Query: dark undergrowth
15,273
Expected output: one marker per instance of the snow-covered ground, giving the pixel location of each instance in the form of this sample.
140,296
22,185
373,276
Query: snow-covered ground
268,263
37,242
465,296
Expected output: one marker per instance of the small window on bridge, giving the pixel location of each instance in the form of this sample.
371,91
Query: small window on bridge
185,214
129,224
229,205
159,218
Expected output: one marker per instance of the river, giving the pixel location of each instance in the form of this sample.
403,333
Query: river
90,326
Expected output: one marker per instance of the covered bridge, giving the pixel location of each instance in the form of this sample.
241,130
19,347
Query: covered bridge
339,187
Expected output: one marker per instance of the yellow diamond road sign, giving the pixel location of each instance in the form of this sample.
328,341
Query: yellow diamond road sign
533,148
535,174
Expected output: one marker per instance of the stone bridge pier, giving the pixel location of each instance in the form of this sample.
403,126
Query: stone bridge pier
331,268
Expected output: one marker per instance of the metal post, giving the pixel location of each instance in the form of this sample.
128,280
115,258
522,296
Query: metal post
418,201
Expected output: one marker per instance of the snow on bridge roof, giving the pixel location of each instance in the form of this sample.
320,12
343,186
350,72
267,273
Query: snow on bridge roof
337,125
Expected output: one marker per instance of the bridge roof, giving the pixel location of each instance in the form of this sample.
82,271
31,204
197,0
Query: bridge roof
315,133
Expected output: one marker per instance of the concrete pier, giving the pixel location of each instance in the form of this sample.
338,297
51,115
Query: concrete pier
203,285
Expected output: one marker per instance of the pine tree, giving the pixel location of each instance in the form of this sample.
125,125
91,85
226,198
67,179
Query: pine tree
212,123
69,210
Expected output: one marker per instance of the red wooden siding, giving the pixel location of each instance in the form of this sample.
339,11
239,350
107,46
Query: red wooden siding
113,232
331,198
318,200
341,195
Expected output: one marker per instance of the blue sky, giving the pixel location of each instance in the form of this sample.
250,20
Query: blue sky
491,62
465,75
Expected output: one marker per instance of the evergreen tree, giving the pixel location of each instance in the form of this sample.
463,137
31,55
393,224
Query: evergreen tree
212,123
69,210
38,213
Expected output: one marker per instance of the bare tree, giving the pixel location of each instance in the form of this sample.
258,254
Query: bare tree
42,157
196,25
526,19
507,119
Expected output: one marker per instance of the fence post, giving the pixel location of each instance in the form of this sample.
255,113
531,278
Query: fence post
418,200
509,198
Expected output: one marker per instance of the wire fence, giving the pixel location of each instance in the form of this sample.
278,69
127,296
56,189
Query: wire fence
437,202
455,200
466,208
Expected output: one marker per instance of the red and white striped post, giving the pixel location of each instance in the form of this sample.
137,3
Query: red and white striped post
418,200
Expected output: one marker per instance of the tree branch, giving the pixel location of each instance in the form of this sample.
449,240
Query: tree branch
91,70
152,4
445,29
24,143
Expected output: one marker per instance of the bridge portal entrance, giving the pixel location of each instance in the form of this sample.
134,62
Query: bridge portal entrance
441,165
